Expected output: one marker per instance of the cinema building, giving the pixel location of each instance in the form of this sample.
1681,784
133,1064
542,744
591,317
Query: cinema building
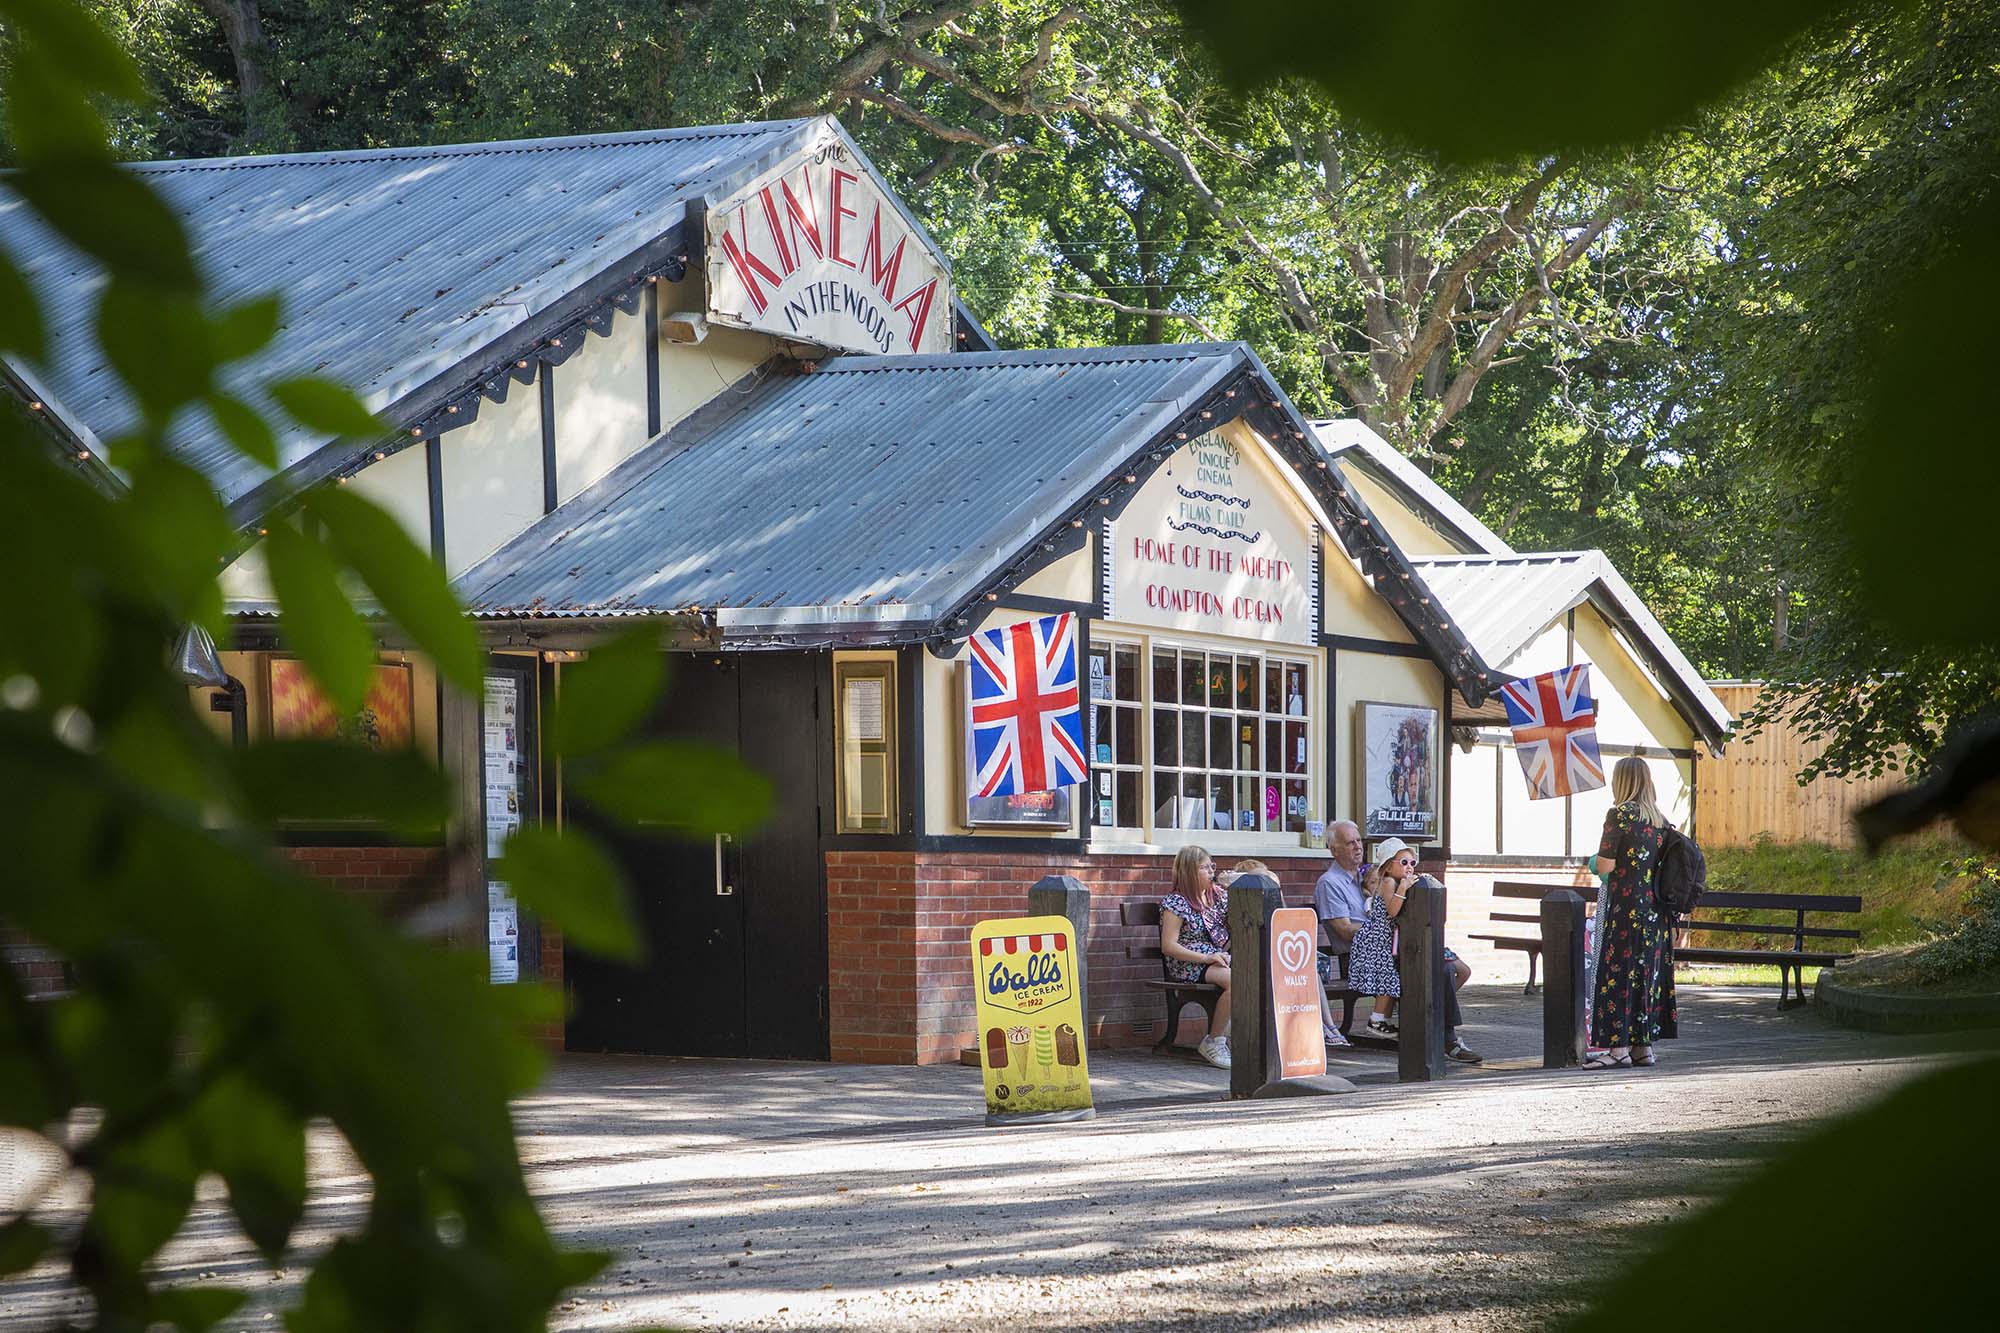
717,381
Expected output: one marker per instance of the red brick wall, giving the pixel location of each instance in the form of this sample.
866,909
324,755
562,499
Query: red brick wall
389,878
40,970
899,973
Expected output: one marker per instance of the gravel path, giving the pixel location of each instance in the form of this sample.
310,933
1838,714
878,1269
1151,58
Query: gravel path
794,1196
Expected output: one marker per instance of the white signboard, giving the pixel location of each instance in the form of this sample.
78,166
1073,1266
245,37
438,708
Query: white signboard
816,250
1215,542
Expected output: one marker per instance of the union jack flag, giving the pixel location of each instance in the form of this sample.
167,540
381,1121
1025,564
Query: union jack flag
1026,728
1554,719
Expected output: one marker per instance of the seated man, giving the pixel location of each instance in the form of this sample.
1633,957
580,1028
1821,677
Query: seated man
1332,1033
1338,900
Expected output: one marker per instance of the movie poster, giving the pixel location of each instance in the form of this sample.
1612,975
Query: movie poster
1399,771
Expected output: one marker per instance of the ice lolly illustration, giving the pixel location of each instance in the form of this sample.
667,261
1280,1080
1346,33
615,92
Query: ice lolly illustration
1045,1048
1017,1037
996,1050
1067,1050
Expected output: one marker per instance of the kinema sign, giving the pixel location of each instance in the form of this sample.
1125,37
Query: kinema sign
816,250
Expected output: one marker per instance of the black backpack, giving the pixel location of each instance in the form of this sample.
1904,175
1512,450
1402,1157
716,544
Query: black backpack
1680,873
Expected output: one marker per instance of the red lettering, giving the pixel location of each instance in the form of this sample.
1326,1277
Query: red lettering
802,218
748,267
921,298
786,259
839,211
873,265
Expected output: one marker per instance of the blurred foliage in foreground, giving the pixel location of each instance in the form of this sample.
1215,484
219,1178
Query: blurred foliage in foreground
220,1002
1906,472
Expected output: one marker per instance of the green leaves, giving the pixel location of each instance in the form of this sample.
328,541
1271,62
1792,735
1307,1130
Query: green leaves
1474,81
569,880
609,694
677,784
321,404
329,781
258,1144
409,583
109,214
319,622
1927,465
90,59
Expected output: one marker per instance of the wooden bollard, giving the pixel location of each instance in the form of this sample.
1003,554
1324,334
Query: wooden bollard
1253,1040
1420,1043
1066,896
1563,999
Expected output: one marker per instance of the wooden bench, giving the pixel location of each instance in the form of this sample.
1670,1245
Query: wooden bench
1530,945
1180,994
1791,962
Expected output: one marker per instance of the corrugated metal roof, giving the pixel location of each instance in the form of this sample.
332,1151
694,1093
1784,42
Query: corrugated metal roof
1502,603
394,264
874,481
1352,444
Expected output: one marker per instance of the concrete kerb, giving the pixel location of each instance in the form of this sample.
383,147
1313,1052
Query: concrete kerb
1879,1009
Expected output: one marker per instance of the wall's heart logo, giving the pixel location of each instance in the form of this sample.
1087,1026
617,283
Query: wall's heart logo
1295,949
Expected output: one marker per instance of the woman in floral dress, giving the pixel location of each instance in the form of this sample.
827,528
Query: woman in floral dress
1632,1004
1194,941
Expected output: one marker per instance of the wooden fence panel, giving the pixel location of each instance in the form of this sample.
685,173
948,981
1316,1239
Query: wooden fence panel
1752,789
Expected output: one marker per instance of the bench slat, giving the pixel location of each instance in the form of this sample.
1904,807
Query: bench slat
1773,957
1782,902
1744,928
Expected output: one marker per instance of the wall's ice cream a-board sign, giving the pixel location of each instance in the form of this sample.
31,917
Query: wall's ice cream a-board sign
1215,542
1030,1012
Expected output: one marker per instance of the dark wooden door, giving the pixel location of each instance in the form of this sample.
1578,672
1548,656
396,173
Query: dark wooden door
685,997
735,931
781,876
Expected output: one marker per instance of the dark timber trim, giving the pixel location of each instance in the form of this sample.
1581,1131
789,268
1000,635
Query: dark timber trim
547,380
434,472
1381,647
652,359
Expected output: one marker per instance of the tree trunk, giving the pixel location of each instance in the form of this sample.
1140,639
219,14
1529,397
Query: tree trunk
242,25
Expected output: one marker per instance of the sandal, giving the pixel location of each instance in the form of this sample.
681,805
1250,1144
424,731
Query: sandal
1646,1061
1607,1061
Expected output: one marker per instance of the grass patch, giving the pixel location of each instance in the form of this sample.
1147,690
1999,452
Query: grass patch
1903,895
1735,974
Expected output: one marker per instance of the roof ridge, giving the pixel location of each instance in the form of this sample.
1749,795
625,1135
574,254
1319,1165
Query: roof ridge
857,363
493,147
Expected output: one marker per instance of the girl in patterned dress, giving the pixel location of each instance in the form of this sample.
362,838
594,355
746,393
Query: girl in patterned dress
1632,1003
1194,941
1371,961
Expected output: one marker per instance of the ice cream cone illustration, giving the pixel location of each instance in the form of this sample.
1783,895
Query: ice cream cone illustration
1017,1040
1045,1049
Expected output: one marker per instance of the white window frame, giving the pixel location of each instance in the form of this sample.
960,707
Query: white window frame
1150,835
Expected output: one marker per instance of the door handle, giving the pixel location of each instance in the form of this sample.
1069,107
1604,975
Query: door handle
723,888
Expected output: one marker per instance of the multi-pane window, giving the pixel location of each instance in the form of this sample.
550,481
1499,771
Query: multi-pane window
1229,736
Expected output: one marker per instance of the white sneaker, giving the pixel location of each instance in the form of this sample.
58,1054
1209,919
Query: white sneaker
1215,1050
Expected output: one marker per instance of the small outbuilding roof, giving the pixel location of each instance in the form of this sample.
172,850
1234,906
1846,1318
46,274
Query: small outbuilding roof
1502,603
395,265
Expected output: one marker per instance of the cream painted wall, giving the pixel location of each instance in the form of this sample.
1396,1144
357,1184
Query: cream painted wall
248,578
944,746
1374,678
492,478
1474,782
1406,529
693,373
600,400
1067,578
1352,607
1640,706
401,484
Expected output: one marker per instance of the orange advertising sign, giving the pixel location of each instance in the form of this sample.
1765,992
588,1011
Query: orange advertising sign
1295,992
1030,1013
